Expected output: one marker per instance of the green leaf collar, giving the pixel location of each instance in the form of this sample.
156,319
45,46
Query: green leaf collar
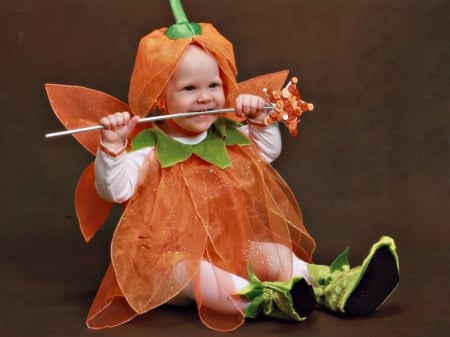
212,149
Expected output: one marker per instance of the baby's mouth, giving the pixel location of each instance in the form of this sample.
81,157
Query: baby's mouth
203,112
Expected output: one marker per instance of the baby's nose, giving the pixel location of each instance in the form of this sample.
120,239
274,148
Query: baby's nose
204,96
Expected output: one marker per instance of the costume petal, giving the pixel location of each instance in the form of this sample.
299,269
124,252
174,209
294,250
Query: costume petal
159,241
109,308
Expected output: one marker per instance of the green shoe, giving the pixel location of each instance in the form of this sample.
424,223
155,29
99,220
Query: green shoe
293,299
360,290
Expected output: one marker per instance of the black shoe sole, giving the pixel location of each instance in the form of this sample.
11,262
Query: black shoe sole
379,281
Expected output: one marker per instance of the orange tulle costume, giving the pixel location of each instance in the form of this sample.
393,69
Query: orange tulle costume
187,213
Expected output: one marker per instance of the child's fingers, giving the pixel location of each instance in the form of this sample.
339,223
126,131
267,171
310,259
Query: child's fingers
115,121
238,106
132,122
249,105
256,105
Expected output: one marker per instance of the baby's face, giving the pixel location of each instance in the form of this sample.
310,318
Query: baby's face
196,85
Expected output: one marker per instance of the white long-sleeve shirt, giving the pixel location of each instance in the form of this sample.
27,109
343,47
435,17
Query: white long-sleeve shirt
116,177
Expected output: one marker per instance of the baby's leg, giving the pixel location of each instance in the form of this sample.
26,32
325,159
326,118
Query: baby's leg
299,268
274,261
214,296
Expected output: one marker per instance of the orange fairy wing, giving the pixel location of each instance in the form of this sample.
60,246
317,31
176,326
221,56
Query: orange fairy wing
78,107
256,85
92,211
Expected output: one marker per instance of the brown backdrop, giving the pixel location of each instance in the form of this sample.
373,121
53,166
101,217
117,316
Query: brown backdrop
372,159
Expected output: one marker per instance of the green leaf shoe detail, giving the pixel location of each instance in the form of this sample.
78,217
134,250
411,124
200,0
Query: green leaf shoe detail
360,290
293,299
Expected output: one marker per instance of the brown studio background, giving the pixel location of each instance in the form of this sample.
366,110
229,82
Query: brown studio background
372,159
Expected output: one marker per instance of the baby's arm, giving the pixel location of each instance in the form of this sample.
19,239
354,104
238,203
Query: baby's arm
267,138
116,171
116,177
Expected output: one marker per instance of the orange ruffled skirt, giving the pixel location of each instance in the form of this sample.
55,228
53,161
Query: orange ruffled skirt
192,212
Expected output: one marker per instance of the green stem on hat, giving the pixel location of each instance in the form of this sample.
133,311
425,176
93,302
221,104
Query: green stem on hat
178,11
182,28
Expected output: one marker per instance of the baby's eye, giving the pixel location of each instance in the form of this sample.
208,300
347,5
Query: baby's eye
214,85
189,88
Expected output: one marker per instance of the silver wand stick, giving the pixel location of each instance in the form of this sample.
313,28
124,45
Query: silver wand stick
149,120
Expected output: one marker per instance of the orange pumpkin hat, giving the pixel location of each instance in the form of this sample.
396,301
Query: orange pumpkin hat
160,51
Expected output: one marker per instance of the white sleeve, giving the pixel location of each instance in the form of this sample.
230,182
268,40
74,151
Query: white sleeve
116,177
266,138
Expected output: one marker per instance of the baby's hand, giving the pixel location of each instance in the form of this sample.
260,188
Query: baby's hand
116,128
250,106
